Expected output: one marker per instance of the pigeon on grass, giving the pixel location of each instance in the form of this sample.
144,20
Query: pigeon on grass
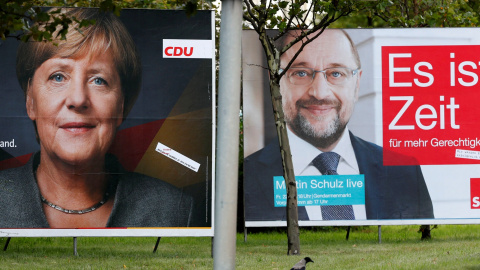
302,264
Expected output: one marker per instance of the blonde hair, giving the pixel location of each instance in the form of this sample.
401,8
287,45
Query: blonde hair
107,33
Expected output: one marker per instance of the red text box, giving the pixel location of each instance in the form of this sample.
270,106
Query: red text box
430,97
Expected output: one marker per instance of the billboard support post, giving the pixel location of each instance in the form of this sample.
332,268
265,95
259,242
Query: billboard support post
6,244
228,135
379,234
156,244
75,253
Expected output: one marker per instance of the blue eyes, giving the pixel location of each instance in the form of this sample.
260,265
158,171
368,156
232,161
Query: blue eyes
329,72
59,78
333,75
99,81
301,74
336,74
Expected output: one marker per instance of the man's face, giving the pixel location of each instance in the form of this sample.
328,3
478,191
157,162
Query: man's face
319,111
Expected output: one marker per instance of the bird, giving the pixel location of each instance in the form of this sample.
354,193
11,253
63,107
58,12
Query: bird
302,264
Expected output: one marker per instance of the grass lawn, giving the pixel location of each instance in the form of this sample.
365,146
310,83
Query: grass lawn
451,247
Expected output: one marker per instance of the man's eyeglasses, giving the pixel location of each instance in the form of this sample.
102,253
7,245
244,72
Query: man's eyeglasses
305,76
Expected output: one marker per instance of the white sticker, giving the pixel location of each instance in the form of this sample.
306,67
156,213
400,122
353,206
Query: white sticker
174,155
467,154
187,48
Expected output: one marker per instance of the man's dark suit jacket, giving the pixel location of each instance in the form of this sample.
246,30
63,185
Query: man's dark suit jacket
391,192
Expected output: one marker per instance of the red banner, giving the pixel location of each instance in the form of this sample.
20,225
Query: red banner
475,193
430,111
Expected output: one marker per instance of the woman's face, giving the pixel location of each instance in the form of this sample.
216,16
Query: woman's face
77,104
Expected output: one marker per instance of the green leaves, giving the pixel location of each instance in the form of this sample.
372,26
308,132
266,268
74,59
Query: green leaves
17,16
109,5
283,4
412,13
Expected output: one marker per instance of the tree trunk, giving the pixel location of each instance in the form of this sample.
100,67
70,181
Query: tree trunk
273,60
293,232
425,229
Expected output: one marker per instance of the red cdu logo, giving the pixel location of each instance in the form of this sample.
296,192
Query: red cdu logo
188,48
178,51
475,193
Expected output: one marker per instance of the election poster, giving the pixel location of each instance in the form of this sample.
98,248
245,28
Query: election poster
111,131
394,110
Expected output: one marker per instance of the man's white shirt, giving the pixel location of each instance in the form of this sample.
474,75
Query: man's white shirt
302,155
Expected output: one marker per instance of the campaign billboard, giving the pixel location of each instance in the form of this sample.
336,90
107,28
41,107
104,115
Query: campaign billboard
110,132
397,107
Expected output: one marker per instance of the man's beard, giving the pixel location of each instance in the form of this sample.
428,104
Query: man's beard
321,139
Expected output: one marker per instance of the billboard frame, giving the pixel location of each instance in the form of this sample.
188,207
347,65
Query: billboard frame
368,127
151,231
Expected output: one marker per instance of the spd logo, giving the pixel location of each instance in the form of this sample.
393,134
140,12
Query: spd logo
475,193
187,48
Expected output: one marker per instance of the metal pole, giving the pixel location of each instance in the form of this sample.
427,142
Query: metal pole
8,240
379,234
211,249
348,233
226,192
156,244
75,253
245,234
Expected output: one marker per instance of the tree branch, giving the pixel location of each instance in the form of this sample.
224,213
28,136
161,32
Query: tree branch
252,19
